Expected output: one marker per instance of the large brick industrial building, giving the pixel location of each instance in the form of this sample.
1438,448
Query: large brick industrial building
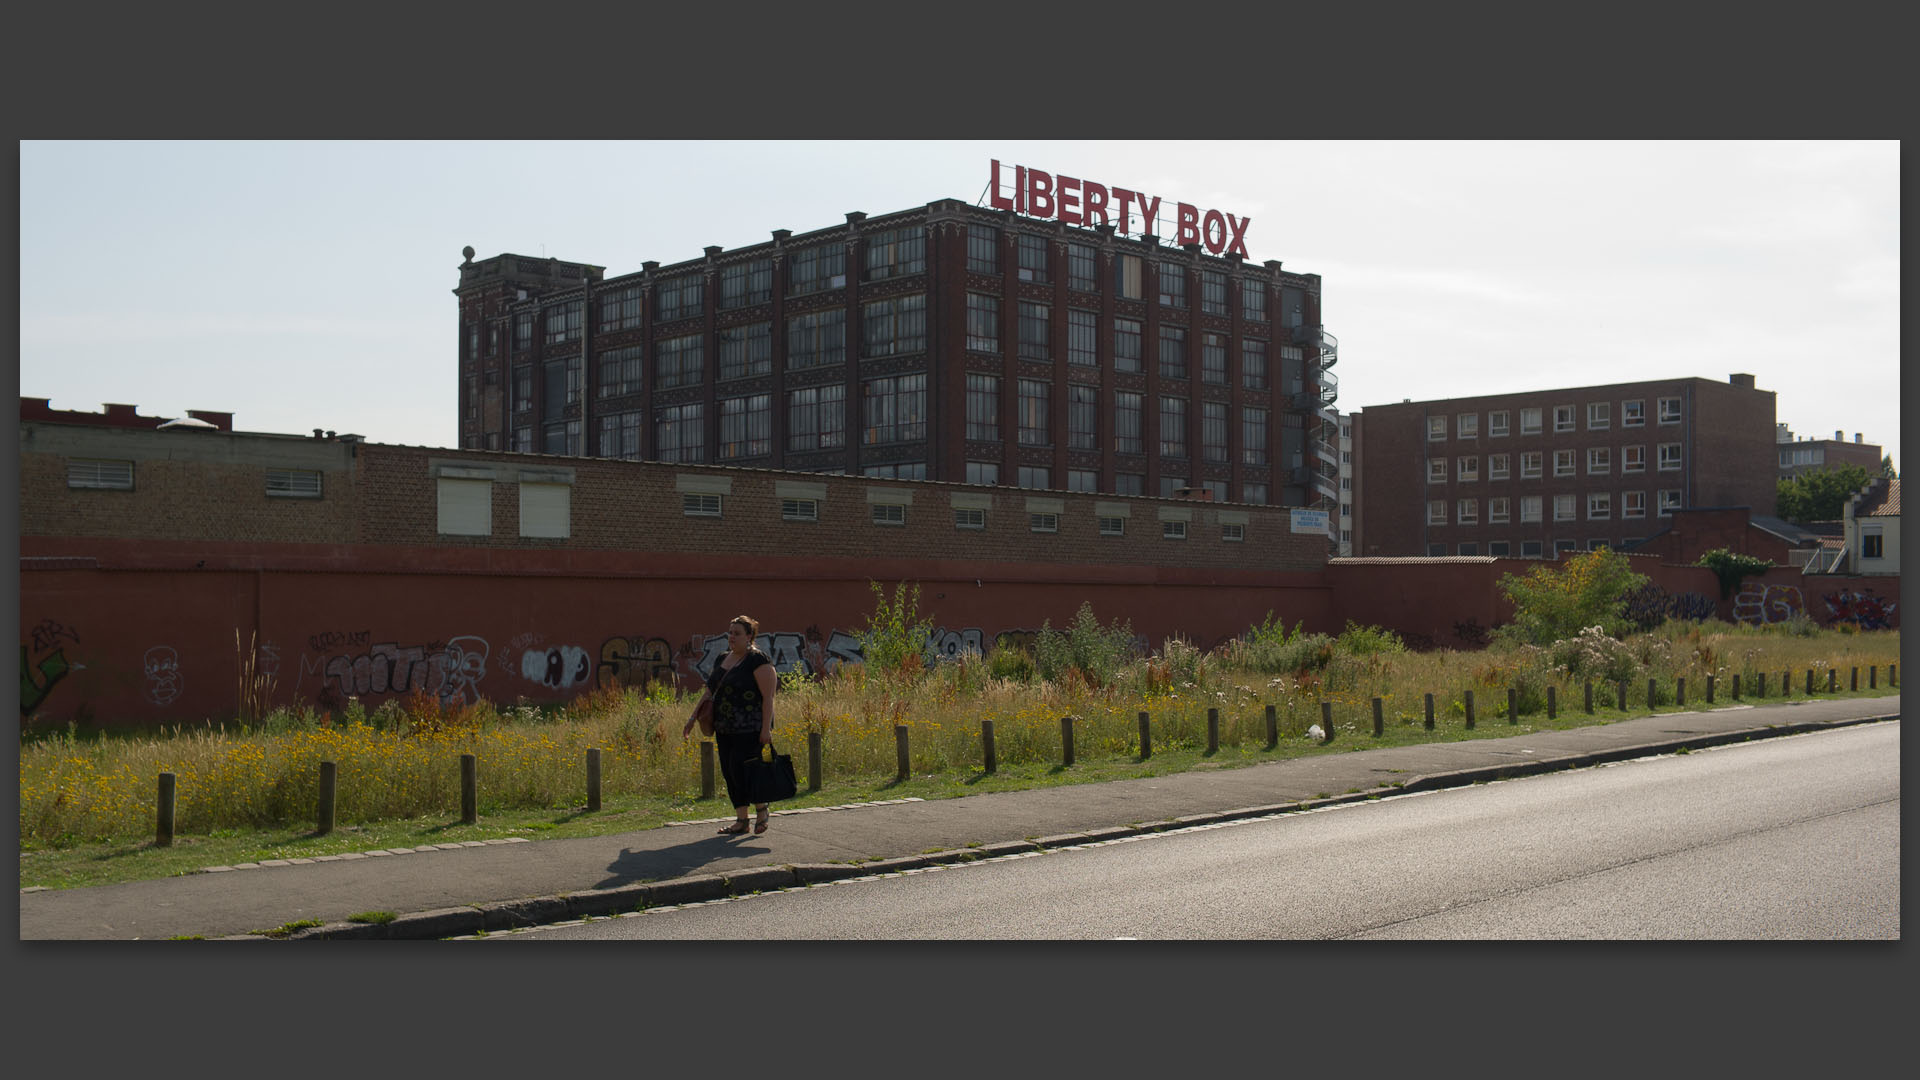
947,342
1545,472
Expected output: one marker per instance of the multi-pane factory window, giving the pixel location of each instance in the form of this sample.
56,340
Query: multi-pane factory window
1213,292
817,418
621,371
620,309
1126,277
1036,334
1080,268
746,350
1173,285
1253,364
1127,435
1034,396
983,249
293,483
1083,417
1083,335
1213,358
621,435
1213,430
1253,301
983,323
1173,427
895,409
894,326
680,298
823,266
1173,352
1032,251
679,362
679,432
746,283
746,426
1126,345
983,407
817,338
896,252
563,323
1253,436
1034,476
523,333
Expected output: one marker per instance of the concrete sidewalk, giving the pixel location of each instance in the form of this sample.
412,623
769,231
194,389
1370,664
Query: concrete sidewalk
498,885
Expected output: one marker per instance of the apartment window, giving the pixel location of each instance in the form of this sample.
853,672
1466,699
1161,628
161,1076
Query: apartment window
1128,437
1437,470
621,371
1080,272
621,435
1032,252
1565,547
1530,464
1253,301
1173,352
285,483
1173,427
1113,526
1213,430
1083,336
1043,523
1213,358
1496,466
1436,429
746,350
1669,501
1213,292
1563,463
1083,419
1083,480
1032,403
1436,550
888,514
1599,505
746,283
1253,436
894,326
1529,508
1633,459
1253,364
699,504
564,323
1562,418
1468,511
1598,418
102,474
1497,510
799,510
817,418
1436,511
983,323
1173,530
746,426
816,339
1599,460
1233,532
1469,548
983,249
1563,508
545,510
1173,285
1669,456
1036,333
1529,421
1870,545
1633,504
1467,426
680,298
465,507
1529,549
1126,345
983,407
1633,414
1031,476
1256,493
620,309
1497,424
679,361
895,409
1598,545
1126,277
678,433
896,252
1669,410
1468,468
823,266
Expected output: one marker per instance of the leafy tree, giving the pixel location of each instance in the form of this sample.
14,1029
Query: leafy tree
1552,603
1820,494
895,637
1730,567
1886,466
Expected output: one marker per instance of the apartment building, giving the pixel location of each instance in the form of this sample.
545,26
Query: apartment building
1803,454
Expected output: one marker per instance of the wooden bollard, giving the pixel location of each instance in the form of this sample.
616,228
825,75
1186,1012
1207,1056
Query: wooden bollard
986,745
1680,692
1326,721
1513,705
1146,734
1589,697
1873,677
1066,740
329,785
813,761
1893,674
1786,684
1833,680
1853,678
1759,684
1429,720
1213,731
1553,706
900,750
1709,689
1736,686
706,769
163,820
1809,682
1379,725
1620,696
1653,686
1273,728
593,779
469,789
1469,696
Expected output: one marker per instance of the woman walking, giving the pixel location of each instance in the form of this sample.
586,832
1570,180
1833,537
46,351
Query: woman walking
741,688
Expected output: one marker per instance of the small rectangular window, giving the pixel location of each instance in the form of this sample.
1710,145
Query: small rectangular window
1436,511
1498,547
1233,532
1669,457
1113,526
293,483
1529,549
1467,425
1436,429
1633,414
1597,416
1497,424
1043,523
1173,530
1669,410
97,473
969,519
889,514
1529,421
799,510
695,504
1563,418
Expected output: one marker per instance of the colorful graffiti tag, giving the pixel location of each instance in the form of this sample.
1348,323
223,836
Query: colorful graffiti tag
1761,604
1862,609
1650,605
37,677
450,670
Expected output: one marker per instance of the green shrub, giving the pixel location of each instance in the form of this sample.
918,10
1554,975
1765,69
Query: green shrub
1009,662
1555,602
1592,654
895,637
1084,646
1369,640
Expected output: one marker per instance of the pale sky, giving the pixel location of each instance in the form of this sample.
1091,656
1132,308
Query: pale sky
309,285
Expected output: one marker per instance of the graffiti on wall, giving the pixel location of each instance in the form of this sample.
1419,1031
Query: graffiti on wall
557,667
449,670
1863,609
1651,604
162,668
1761,604
47,664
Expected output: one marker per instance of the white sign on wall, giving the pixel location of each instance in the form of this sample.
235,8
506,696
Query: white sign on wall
1312,521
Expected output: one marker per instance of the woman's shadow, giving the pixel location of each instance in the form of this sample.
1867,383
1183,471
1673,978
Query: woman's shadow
679,860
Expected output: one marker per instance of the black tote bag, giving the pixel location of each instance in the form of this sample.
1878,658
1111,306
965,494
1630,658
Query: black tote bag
769,777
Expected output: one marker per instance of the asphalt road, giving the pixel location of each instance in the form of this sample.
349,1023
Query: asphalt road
1790,838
